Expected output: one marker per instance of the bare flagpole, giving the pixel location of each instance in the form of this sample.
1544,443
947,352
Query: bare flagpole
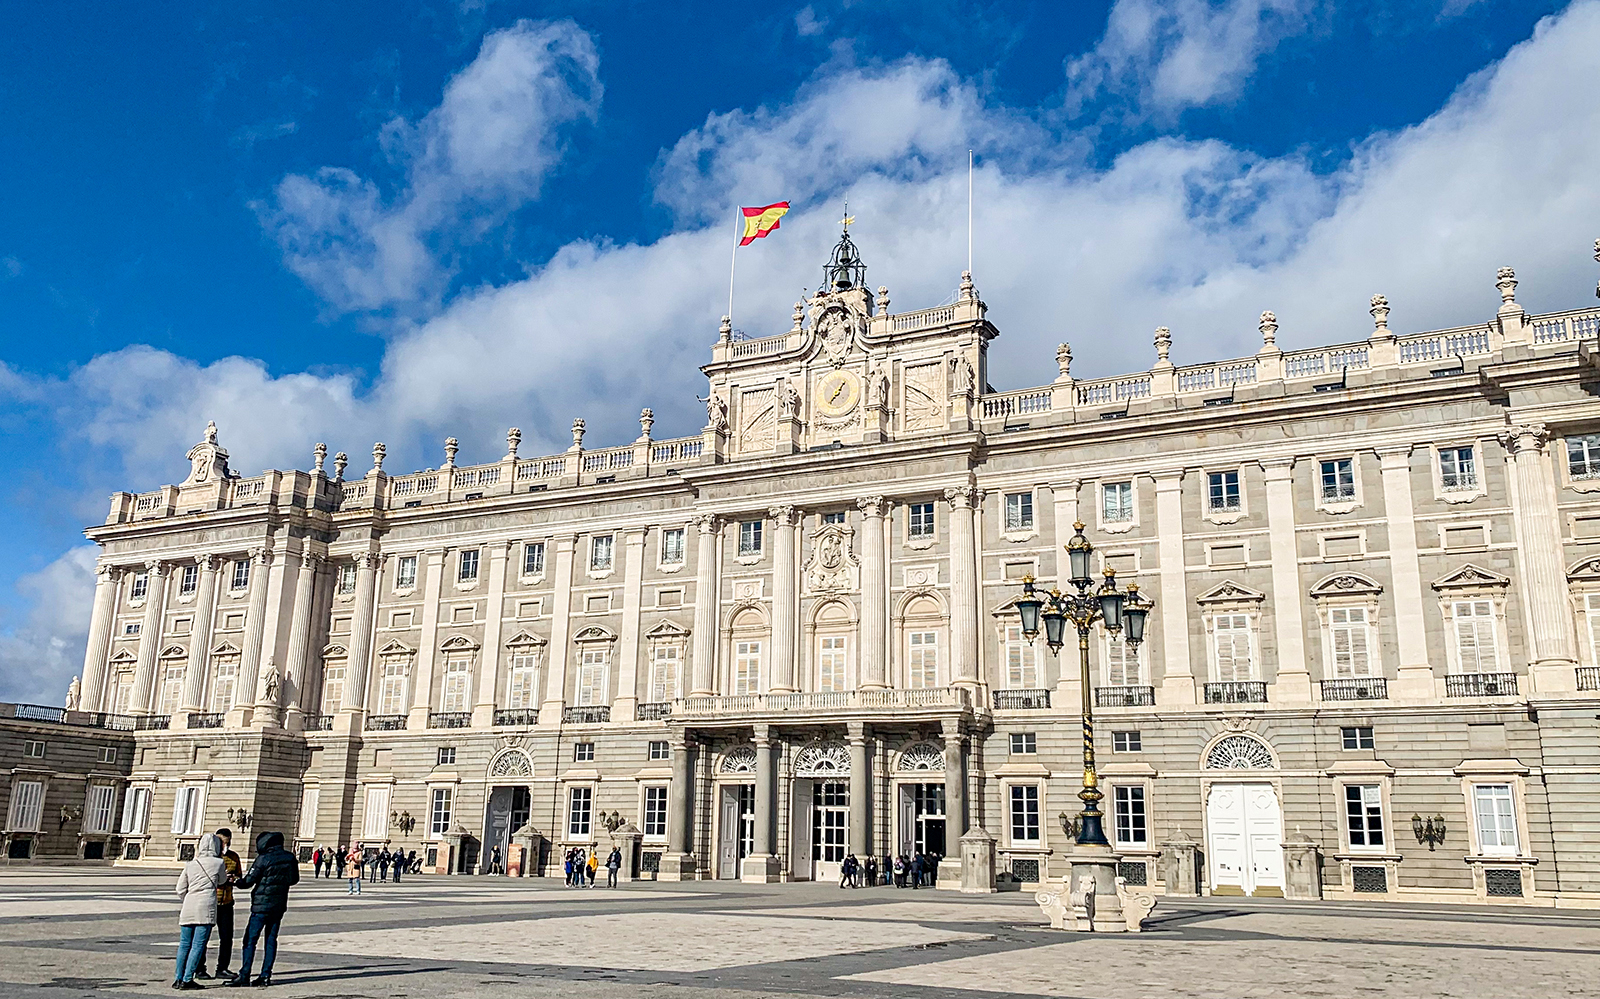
733,258
969,211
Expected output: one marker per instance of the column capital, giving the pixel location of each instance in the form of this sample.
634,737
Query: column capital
1168,478
856,733
708,523
209,563
634,536
870,506
156,567
1528,437
1277,469
368,560
762,735
950,728
310,560
107,573
261,555
961,497
1395,454
501,550
783,516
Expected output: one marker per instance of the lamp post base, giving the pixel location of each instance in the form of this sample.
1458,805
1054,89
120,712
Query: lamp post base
1090,899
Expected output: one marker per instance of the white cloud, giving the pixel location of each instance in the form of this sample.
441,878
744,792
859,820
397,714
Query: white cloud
39,658
807,23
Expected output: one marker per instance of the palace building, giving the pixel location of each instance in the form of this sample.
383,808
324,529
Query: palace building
1371,668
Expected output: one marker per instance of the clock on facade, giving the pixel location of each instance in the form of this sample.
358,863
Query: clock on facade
837,393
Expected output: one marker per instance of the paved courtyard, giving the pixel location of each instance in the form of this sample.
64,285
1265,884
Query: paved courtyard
75,932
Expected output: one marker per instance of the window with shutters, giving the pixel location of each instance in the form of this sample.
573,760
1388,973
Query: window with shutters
1022,669
455,689
392,685
1122,667
1232,652
188,810
832,659
1476,646
747,667
375,819
310,798
135,811
592,668
922,659
224,682
1363,809
333,687
1349,641
27,806
522,692
171,694
665,663
1495,816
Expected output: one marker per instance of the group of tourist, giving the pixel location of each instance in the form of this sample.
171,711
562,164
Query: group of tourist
325,861
205,886
581,866
913,870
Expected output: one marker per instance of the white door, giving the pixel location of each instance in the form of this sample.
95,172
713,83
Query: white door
800,820
830,829
728,835
1244,836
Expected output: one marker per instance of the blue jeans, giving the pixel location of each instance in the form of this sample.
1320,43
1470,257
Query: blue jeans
191,951
259,921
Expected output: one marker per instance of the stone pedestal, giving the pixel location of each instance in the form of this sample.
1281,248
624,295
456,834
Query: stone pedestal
1554,678
1302,867
676,867
627,839
1180,865
977,861
532,842
1092,898
761,869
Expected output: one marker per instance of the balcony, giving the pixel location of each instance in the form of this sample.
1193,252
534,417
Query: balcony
1020,700
1360,688
516,716
592,714
449,719
1480,685
653,711
61,716
1124,697
319,723
385,723
821,705
206,719
151,723
1237,692
1589,677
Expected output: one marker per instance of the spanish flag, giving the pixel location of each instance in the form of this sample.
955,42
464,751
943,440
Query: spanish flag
760,221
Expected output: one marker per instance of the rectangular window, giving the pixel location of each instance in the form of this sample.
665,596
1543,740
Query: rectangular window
1126,742
439,812
583,752
750,537
405,572
672,546
332,689
922,659
660,749
921,522
747,668
1019,511
1230,648
309,799
1222,491
1024,813
241,574
375,819
1363,809
190,581
27,806
1024,744
132,628
1116,502
1356,737
187,811
392,687
1583,457
592,674
533,558
170,695
33,750
347,578
831,661
140,586
135,811
1022,670
455,687
837,517
600,550
655,812
580,804
1129,814
108,754
1350,641
1458,469
664,664
1496,814
1338,480
1475,639
446,756
1592,619
524,678
1122,663
224,683
467,566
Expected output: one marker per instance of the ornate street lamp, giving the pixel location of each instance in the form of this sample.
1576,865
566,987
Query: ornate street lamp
1120,611
1429,830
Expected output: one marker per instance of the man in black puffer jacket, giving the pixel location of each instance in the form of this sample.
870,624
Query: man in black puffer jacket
274,872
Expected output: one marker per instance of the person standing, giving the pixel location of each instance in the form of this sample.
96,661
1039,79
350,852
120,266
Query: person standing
316,862
613,865
916,870
383,859
224,921
397,860
594,865
274,872
495,864
197,887
353,882
339,858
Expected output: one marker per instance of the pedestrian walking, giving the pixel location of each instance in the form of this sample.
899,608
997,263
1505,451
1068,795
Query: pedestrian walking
412,867
197,887
871,870
613,865
383,863
916,871
398,861
593,865
340,856
269,879
353,883
847,871
231,869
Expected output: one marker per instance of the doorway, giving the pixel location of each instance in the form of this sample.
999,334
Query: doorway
830,829
737,829
1244,837
509,809
922,819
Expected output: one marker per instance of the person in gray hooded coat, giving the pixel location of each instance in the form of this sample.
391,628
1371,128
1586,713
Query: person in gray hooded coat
197,887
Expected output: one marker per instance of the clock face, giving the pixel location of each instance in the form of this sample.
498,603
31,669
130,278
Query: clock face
837,393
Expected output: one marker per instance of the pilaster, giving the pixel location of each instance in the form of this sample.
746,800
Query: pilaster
874,595
489,683
1177,680
1414,675
422,677
1293,682
626,699
552,711
785,602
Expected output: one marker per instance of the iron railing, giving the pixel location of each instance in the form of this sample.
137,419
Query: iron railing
206,719
516,716
1124,697
385,723
1358,688
1021,699
1237,692
652,711
151,723
449,719
319,723
1480,684
587,715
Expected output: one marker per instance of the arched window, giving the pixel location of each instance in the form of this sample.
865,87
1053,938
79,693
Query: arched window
1240,752
833,647
749,647
924,630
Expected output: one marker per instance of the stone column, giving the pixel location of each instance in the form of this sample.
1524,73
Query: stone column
625,701
359,664
107,580
678,864
194,677
422,679
1544,578
706,599
874,596
762,866
255,629
554,707
1177,680
1415,675
860,791
1293,682
488,682
785,602
955,798
144,674
964,597
305,596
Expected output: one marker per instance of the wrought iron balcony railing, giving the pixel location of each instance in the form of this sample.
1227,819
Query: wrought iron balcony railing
1237,692
385,723
1124,697
207,719
516,716
1020,699
652,711
319,723
1480,684
151,723
591,714
1356,688
449,719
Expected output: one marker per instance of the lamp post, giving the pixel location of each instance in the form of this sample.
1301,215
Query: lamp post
1121,611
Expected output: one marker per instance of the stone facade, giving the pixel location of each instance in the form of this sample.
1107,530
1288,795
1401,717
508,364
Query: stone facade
1375,568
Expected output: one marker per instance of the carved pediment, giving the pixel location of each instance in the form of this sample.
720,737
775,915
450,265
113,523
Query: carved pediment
458,643
1586,570
667,631
1470,577
595,633
1230,592
124,656
1346,584
525,639
174,652
227,648
832,565
334,652
395,647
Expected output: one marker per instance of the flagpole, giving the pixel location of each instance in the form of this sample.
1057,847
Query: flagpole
969,211
733,258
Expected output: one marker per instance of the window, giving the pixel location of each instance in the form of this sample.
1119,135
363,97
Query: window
592,674
1126,742
1356,737
664,665
831,660
135,811
524,678
405,572
1349,641
375,819
108,754
224,683
1022,671
467,566
600,549
446,757
27,806
1583,457
836,517
170,696
1592,617
533,558
33,750
439,812
310,797
1024,743
672,546
190,580
1338,480
97,817
1128,807
132,628
583,752
581,802
1024,813
1363,809
922,659
747,668
241,574
655,812
332,689
392,686
921,523
347,578
1475,641
1457,468
750,537
1122,663
1116,502
457,681
187,811
660,749
1496,815
1222,492
1019,511
1230,646
140,586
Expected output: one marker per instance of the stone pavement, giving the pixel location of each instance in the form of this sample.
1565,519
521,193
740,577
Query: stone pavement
97,933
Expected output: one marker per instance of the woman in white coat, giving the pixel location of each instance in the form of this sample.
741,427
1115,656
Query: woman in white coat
197,887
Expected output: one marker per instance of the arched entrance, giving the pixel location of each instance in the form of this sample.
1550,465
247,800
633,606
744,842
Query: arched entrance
509,806
1244,820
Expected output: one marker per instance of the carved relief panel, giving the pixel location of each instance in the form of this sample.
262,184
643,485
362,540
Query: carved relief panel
924,396
758,419
832,566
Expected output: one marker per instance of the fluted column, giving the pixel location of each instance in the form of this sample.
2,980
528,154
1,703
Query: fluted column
194,676
255,625
555,682
706,594
625,697
305,586
489,656
762,866
785,605
860,791
963,590
360,662
1544,578
1177,677
1414,675
874,595
91,692
144,672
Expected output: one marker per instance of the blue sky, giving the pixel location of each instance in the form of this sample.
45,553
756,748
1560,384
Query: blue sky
405,221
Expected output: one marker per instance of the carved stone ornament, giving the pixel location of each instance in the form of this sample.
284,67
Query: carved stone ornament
1230,592
270,688
1346,584
511,762
716,412
1471,577
823,760
1240,752
738,760
1585,571
836,330
832,565
207,460
921,757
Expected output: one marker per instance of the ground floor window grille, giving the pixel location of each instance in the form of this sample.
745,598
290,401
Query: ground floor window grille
1025,870
1369,879
1503,883
1136,873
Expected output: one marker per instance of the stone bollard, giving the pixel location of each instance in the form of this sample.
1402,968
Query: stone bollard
1302,862
1180,865
977,861
532,842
